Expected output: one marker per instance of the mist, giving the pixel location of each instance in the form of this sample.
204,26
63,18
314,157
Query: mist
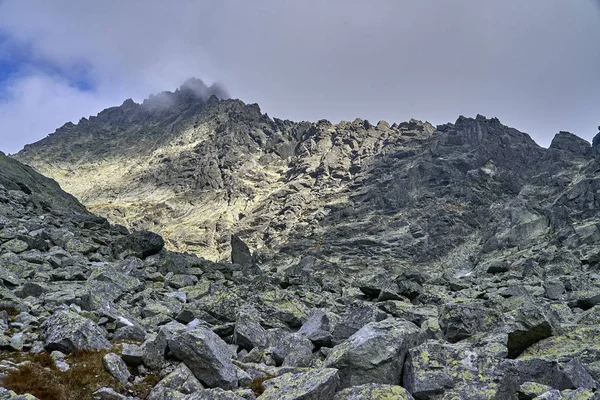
533,64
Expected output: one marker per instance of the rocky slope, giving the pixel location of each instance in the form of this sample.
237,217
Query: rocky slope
403,261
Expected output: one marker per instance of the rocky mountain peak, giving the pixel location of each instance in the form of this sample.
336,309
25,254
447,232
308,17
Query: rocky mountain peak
571,143
596,140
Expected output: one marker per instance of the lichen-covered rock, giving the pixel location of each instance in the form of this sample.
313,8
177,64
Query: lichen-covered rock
374,392
293,350
525,326
248,331
207,356
10,395
462,319
531,390
577,343
375,354
179,382
353,317
67,331
436,369
115,366
107,393
311,385
132,354
14,246
317,328
211,394
154,350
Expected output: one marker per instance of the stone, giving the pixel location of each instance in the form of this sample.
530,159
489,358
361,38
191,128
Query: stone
531,390
213,394
154,350
248,332
106,393
67,331
181,380
132,333
317,329
461,320
15,246
292,350
437,369
115,366
375,354
132,354
312,385
207,356
240,253
6,394
569,142
352,318
374,391
140,244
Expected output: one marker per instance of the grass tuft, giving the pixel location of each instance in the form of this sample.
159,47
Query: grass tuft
10,310
258,384
37,375
35,380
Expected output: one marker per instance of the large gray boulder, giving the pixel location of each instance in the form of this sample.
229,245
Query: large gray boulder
67,331
374,392
210,394
6,394
248,331
375,354
240,252
436,369
207,356
464,318
179,382
312,385
140,244
317,328
115,366
292,349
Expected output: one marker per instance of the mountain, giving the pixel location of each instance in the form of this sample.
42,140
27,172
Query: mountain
198,170
368,261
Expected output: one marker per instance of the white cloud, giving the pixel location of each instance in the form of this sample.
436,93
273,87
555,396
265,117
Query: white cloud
532,64
35,105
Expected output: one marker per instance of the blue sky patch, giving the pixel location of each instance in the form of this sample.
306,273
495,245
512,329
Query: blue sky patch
17,59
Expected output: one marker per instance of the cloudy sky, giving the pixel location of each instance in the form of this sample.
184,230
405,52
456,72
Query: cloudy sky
534,64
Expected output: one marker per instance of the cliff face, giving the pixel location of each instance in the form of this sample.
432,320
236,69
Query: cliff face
197,169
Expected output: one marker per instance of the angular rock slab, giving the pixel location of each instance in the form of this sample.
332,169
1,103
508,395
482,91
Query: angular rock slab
376,353
67,331
313,385
140,244
210,394
207,356
374,392
115,366
248,331
10,395
179,382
